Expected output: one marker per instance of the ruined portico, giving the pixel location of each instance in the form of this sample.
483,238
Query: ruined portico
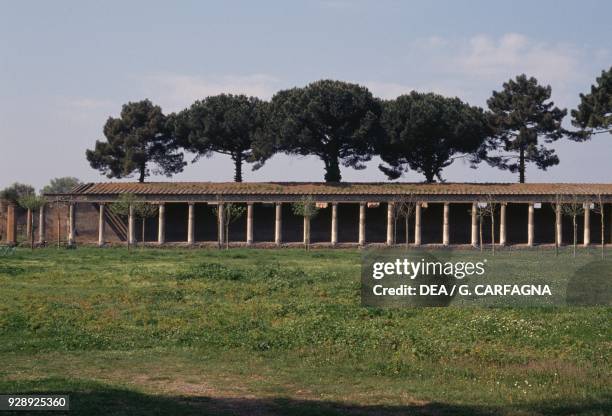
350,214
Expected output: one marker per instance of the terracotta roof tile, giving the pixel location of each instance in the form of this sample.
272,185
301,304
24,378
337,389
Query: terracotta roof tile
355,188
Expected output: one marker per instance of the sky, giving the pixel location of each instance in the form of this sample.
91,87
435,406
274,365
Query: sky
66,66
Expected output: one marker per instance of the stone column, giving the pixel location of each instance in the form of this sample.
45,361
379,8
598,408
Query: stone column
306,231
417,225
221,222
249,232
101,226
131,226
502,224
11,225
41,224
71,223
530,226
334,224
278,224
29,221
446,226
362,224
474,235
161,224
558,225
587,224
390,234
190,223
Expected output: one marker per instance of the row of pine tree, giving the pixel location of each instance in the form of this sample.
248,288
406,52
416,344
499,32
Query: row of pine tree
343,124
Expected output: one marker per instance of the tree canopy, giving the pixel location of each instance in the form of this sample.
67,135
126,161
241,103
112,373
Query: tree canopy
226,124
17,191
522,113
424,132
61,185
594,113
336,121
139,137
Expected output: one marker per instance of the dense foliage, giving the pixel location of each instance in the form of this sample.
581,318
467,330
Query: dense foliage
523,116
594,113
16,191
337,122
425,132
61,185
343,124
226,124
138,138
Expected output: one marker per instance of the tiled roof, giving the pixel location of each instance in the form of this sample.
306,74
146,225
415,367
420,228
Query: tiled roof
355,188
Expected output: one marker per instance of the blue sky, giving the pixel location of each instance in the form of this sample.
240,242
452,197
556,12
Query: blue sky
65,66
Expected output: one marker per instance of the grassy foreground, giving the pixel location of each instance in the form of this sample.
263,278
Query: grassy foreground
281,332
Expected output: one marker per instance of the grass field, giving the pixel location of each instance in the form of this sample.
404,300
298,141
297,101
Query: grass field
281,332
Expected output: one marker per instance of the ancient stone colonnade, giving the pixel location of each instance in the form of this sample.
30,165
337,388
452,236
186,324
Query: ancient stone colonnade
357,214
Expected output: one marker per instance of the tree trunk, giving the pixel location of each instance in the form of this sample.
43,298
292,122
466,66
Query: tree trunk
429,176
237,167
522,165
557,242
492,230
143,169
59,227
143,231
480,231
602,208
307,233
227,220
407,231
575,231
332,169
32,235
394,227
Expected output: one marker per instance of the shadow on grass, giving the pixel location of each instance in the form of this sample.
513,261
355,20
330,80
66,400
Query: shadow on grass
92,398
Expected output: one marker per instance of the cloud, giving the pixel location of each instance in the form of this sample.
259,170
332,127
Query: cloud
514,53
176,91
475,65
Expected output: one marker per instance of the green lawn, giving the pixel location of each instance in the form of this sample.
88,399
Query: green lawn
281,332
